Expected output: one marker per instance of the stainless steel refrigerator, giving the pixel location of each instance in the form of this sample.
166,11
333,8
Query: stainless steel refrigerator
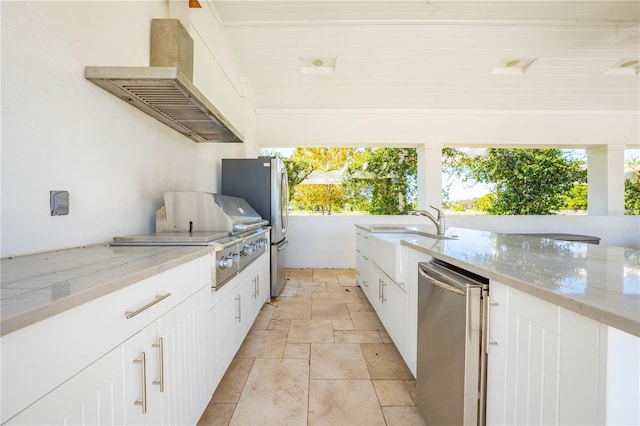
263,183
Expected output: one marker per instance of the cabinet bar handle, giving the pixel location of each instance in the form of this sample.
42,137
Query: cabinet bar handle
160,346
143,368
384,284
130,315
239,316
257,286
379,289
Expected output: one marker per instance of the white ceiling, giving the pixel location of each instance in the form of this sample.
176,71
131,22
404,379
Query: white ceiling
436,54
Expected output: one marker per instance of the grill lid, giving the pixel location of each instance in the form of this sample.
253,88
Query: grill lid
204,211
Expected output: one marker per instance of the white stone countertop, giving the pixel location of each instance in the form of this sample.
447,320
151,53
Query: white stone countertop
38,286
599,282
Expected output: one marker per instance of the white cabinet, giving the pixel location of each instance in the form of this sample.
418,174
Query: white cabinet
93,396
389,303
157,331
234,309
544,364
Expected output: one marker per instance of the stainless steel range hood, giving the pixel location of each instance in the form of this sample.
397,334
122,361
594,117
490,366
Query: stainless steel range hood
164,90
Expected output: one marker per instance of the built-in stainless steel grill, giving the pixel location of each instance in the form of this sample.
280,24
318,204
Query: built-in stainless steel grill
236,233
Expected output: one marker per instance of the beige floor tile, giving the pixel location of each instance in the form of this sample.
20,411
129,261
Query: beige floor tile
297,351
332,311
392,393
343,402
263,344
335,297
366,321
303,291
299,274
289,291
337,361
385,362
359,307
403,416
217,414
233,381
263,319
279,324
294,310
325,275
339,288
342,324
357,336
310,331
346,280
411,388
276,393
312,285
385,336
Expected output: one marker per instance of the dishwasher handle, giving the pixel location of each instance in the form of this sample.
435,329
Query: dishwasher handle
445,282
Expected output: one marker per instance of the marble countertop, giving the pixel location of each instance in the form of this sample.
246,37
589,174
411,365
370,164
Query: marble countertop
38,286
599,282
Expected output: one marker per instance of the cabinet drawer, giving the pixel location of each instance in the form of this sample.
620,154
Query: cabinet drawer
40,357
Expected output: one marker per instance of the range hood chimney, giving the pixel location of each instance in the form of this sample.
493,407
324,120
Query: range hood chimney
164,90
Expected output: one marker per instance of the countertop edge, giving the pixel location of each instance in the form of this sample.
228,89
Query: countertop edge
610,318
43,312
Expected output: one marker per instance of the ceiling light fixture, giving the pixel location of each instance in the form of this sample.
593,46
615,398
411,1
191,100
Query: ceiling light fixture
513,66
323,65
625,67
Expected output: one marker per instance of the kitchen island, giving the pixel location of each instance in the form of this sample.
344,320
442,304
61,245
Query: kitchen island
565,317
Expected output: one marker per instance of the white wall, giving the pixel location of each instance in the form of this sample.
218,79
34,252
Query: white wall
62,132
329,241
454,127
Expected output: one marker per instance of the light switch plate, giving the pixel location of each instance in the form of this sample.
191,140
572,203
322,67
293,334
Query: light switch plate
59,202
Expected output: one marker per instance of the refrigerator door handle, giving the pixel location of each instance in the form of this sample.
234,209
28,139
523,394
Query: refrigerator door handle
284,187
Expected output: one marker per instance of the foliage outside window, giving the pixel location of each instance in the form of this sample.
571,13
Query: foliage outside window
632,189
523,181
372,180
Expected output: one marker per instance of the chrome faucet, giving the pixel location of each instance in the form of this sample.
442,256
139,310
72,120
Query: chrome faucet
439,221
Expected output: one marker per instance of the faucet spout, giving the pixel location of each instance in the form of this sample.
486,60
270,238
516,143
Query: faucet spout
439,222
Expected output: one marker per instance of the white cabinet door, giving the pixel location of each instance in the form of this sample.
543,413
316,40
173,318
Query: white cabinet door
93,396
524,365
182,374
394,312
225,318
141,362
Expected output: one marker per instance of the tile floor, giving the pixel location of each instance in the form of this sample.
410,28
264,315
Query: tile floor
317,355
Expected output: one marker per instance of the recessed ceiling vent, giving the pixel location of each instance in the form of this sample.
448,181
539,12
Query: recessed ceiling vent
164,90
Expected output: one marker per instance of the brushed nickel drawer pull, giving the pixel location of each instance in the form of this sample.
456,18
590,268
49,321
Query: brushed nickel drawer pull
130,315
160,346
239,317
143,368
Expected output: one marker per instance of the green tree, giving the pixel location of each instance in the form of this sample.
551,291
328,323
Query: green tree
632,190
320,197
302,162
576,199
383,180
525,181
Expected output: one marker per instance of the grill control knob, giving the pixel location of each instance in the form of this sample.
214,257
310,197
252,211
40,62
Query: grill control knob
225,262
248,249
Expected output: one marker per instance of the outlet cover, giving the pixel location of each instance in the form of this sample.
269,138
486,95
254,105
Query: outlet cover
59,202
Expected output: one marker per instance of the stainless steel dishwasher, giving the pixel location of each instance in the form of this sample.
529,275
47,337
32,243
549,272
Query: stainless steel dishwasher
452,361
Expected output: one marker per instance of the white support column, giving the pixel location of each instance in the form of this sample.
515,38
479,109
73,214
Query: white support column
430,176
605,179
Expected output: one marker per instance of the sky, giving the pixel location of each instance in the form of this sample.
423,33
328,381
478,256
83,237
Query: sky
465,191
